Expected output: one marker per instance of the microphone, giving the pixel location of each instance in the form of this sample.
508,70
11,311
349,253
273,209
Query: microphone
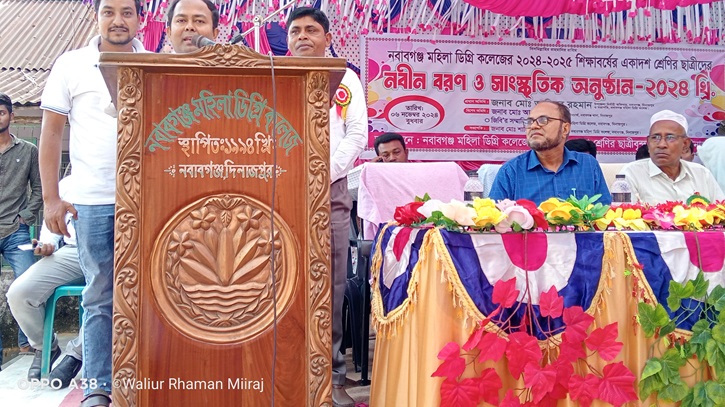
201,41
238,38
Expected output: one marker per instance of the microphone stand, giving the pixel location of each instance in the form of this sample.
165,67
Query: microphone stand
258,21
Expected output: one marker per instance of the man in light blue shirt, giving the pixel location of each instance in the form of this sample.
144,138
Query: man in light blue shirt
549,169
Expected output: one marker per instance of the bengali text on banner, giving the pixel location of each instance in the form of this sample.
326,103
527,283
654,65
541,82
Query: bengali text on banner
454,98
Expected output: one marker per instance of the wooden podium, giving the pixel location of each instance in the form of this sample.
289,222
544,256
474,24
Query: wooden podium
222,228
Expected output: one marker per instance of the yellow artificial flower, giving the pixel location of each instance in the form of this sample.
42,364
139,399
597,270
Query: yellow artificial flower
718,214
638,224
550,204
632,214
488,216
630,219
692,218
609,217
561,214
479,203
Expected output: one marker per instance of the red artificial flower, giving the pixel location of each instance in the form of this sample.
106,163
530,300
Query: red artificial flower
668,206
627,205
536,213
407,215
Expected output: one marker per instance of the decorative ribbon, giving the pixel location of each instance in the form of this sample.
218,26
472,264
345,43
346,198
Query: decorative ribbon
600,258
617,21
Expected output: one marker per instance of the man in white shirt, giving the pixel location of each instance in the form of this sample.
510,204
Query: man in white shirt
308,35
712,154
665,176
76,90
29,292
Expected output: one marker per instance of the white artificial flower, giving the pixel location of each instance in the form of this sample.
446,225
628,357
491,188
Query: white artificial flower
517,214
460,212
429,207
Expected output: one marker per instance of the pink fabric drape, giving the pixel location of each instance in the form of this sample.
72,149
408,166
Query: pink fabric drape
152,35
264,47
549,8
384,186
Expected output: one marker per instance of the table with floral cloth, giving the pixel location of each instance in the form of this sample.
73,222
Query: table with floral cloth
431,286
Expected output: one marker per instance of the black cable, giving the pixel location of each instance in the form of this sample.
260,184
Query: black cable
271,224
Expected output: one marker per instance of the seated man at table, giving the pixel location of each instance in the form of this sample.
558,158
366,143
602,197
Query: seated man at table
549,169
390,148
582,145
665,176
642,152
688,154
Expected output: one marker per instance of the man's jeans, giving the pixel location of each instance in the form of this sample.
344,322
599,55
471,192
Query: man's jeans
94,230
20,260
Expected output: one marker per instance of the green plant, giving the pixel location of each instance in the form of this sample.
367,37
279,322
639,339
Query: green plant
661,375
573,213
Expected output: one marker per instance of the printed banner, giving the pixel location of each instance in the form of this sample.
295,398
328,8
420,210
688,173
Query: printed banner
454,98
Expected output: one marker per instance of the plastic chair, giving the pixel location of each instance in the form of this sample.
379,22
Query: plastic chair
61,291
358,290
356,308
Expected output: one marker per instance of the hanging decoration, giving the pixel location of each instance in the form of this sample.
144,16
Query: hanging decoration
615,21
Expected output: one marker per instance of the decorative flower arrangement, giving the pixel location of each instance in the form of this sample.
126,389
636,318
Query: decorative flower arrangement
695,216
547,376
561,215
581,214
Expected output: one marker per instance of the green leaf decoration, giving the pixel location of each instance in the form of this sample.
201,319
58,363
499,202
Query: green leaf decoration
701,285
700,336
649,385
717,298
668,329
425,198
438,219
599,210
715,354
671,363
678,292
689,400
651,368
700,396
674,392
715,392
718,333
651,317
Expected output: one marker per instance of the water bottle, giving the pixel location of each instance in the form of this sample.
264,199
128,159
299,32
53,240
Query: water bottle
473,188
621,191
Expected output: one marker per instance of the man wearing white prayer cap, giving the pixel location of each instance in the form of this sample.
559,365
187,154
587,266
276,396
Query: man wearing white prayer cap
664,176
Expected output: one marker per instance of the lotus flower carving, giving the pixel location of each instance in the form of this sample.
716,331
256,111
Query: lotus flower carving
218,262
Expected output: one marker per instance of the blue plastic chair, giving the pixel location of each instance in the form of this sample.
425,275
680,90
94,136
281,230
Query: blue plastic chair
61,291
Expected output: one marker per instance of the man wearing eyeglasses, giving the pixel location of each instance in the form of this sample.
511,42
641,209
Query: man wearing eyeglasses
549,169
665,176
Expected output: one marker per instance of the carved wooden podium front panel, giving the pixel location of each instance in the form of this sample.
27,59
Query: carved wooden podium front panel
222,229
